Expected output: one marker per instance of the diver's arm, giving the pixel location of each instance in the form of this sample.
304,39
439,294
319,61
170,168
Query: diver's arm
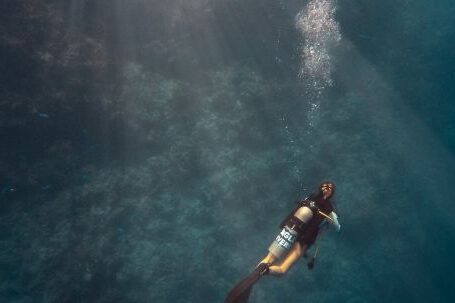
334,221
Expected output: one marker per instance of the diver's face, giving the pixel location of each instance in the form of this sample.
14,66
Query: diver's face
327,190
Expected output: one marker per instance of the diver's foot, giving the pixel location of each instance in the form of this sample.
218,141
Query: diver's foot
263,268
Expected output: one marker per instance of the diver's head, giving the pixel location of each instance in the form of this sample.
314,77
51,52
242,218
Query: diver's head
327,189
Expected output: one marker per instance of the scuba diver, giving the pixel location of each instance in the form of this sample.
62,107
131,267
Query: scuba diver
299,231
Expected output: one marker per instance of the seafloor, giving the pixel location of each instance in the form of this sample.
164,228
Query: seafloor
150,148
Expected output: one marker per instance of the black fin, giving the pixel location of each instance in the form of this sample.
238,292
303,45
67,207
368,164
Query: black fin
240,293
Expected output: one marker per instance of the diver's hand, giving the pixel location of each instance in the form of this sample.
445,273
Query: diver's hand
335,222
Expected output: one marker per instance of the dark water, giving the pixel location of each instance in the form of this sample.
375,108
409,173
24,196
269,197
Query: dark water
150,148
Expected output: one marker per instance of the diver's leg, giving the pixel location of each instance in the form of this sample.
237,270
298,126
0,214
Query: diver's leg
270,258
294,255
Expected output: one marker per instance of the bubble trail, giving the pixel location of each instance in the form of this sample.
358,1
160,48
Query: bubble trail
320,33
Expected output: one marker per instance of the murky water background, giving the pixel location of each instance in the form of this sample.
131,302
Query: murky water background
150,149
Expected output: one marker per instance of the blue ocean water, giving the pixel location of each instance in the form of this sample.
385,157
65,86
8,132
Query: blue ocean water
151,148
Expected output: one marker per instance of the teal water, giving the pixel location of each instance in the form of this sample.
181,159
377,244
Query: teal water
150,149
